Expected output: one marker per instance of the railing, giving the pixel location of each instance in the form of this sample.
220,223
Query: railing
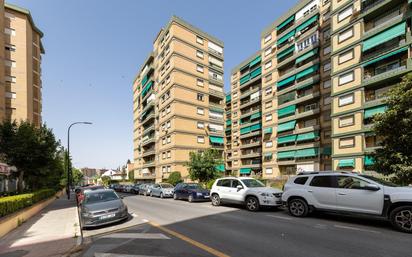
250,110
381,50
367,5
369,30
386,69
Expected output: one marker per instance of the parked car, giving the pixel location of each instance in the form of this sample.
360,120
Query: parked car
101,207
146,189
81,190
246,191
127,188
346,192
191,192
135,189
162,190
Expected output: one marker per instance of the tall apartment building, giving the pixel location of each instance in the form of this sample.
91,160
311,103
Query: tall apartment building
20,73
370,53
178,101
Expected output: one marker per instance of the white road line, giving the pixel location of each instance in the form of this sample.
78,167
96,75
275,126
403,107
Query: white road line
134,215
280,217
137,236
145,220
121,255
357,229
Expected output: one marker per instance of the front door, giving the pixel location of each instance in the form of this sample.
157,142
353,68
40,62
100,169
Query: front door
322,192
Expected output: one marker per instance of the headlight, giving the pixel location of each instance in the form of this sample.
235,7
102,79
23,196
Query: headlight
264,194
278,195
86,213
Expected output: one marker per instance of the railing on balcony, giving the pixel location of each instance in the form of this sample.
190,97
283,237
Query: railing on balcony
391,67
369,4
250,110
383,48
249,101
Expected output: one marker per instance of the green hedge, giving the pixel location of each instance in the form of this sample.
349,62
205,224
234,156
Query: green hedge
10,204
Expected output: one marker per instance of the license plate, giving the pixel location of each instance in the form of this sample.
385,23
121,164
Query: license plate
206,196
107,216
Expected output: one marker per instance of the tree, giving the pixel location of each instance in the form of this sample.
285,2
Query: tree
77,176
394,129
175,178
131,176
105,180
202,165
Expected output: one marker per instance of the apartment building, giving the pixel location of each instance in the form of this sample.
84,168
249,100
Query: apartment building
370,53
178,101
20,73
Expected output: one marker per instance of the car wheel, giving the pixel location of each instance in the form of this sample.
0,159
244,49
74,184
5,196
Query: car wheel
151,194
145,193
298,207
190,199
161,195
252,203
174,196
215,200
401,218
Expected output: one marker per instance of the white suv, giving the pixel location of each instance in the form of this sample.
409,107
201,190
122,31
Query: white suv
247,191
349,193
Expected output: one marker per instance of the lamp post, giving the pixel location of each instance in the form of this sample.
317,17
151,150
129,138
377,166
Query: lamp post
69,168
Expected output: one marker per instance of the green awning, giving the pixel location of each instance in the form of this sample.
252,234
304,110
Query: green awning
307,23
291,109
286,139
307,55
286,22
144,80
286,37
216,140
286,52
286,154
220,168
228,98
268,131
244,79
310,84
245,170
308,152
215,109
286,97
228,129
380,58
307,136
255,73
255,61
385,36
308,71
287,126
346,163
286,81
374,110
146,88
228,122
255,127
255,115
244,130
368,160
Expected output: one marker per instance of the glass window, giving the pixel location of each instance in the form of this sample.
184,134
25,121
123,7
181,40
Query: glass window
223,183
323,181
199,54
200,125
346,121
300,180
346,99
346,78
349,182
201,139
345,35
235,183
268,38
327,84
347,142
346,56
199,40
252,183
345,13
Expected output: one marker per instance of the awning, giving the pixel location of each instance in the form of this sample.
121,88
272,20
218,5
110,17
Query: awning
308,71
291,109
256,73
255,127
255,61
286,37
268,155
286,81
286,52
369,113
286,155
368,160
307,23
214,109
228,98
244,130
146,88
228,122
216,140
307,55
380,58
286,139
245,170
308,152
384,36
305,85
244,79
255,115
286,22
268,131
220,168
307,136
144,80
287,126
346,163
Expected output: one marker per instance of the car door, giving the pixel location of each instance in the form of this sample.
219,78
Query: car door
185,191
353,195
223,188
322,192
156,190
235,194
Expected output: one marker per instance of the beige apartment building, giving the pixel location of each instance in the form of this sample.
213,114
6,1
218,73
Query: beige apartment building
178,101
20,73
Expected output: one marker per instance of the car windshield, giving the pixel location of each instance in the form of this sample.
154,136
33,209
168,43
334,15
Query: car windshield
167,186
95,197
380,181
252,183
194,186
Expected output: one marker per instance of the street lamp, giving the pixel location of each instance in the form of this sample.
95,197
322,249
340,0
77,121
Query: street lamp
69,168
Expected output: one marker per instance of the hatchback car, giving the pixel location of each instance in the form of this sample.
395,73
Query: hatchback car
101,207
191,192
162,190
145,189
82,190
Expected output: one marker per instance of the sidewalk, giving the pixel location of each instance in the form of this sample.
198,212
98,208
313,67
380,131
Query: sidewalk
51,232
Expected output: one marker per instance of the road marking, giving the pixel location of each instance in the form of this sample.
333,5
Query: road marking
120,255
357,229
145,220
134,215
137,236
190,241
279,217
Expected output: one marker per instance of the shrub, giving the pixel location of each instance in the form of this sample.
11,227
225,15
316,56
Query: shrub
209,184
11,204
175,178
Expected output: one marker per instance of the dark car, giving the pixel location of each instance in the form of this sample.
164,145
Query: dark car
191,192
135,189
101,207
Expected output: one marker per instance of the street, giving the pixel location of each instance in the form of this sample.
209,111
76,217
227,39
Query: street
165,227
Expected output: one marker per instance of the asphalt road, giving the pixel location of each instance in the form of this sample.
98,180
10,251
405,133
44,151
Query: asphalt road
164,227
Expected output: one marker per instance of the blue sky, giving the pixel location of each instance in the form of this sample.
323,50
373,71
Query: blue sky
94,48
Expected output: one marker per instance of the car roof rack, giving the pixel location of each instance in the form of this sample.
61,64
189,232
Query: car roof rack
326,171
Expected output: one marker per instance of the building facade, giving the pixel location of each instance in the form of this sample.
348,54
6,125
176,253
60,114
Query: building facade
20,72
178,101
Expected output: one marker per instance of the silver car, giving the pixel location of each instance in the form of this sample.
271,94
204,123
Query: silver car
101,207
162,190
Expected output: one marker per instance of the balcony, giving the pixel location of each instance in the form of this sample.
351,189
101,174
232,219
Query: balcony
307,113
148,129
383,48
149,164
148,152
249,102
251,134
249,111
252,164
250,144
148,117
148,140
369,4
389,69
251,154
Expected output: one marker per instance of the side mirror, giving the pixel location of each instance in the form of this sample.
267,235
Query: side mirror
239,187
372,187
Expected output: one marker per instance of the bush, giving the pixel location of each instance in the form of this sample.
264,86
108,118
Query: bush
175,178
209,184
11,204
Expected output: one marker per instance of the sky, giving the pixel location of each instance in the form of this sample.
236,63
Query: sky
94,49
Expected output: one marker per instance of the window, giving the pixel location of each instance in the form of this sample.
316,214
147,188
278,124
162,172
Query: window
327,134
326,50
201,139
268,51
200,97
268,90
346,121
300,180
345,35
348,182
347,142
346,99
268,65
10,31
326,115
9,15
200,82
10,79
199,54
168,109
268,104
345,13
268,117
168,139
346,56
10,63
169,154
268,170
10,48
327,100
223,183
268,38
200,125
164,169
327,84
346,78
168,124
11,95
199,68
326,34
163,141
307,42
268,144
326,66
235,183
200,111
164,155
268,77
169,168
323,181
199,40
